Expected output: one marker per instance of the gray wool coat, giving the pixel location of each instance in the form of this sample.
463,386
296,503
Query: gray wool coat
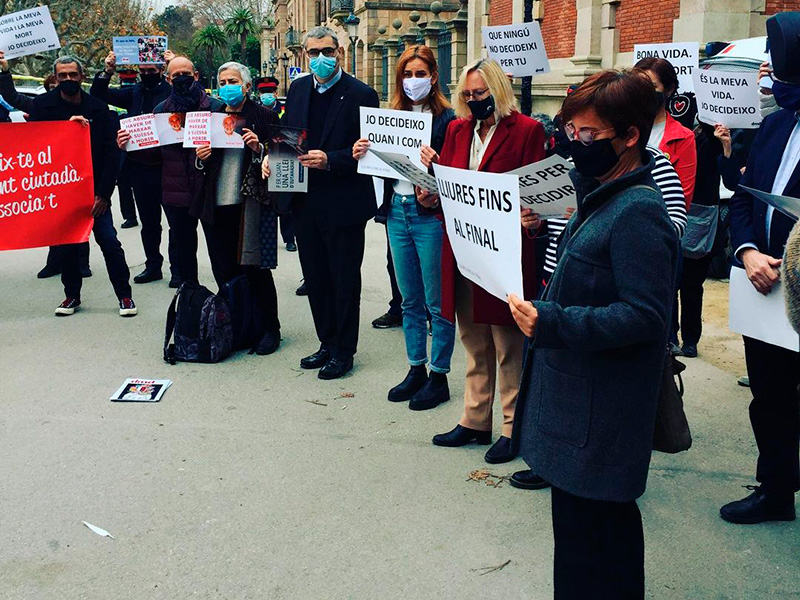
587,404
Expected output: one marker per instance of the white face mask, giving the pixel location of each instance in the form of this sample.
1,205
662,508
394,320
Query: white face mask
417,88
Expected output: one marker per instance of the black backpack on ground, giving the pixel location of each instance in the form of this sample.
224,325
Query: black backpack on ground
246,314
200,323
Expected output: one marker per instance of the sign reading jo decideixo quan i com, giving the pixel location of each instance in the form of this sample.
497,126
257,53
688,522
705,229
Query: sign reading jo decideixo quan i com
46,184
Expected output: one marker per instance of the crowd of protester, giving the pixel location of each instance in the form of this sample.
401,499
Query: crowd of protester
578,361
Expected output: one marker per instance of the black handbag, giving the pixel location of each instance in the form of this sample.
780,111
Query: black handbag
671,433
254,186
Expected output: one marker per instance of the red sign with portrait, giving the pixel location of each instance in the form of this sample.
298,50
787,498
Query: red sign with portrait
46,184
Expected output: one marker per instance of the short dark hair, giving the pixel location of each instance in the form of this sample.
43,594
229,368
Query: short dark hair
68,60
624,99
664,71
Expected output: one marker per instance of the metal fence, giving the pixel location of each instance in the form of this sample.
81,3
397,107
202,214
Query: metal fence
445,60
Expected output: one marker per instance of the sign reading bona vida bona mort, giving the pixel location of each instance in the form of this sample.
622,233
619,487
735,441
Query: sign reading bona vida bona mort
481,213
681,55
46,184
394,131
728,98
28,32
519,49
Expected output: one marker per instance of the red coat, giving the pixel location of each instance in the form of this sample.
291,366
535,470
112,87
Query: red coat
679,146
518,141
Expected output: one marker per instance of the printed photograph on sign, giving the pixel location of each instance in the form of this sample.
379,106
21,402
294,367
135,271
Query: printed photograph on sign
290,137
170,128
519,49
140,50
226,130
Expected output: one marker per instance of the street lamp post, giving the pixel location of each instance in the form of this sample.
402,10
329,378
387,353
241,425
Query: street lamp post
351,22
264,66
285,61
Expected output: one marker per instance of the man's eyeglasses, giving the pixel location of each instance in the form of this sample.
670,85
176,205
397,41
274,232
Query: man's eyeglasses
584,135
327,52
476,95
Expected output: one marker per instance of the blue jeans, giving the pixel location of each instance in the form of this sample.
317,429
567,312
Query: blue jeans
416,243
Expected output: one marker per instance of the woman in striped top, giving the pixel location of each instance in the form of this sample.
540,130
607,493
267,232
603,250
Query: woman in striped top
666,179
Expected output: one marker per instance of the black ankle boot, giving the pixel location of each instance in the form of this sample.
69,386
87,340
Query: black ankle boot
433,393
416,378
461,436
760,506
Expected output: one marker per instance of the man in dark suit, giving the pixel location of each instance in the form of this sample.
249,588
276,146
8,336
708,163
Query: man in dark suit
758,236
142,168
331,218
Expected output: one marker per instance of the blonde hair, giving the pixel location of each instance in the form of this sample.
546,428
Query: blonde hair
496,82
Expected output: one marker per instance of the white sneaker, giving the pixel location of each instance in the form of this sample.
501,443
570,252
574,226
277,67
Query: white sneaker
68,307
127,308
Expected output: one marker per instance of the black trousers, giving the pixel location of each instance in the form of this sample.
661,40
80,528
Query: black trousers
331,260
287,228
126,200
396,303
599,548
106,237
774,374
183,238
55,252
222,239
146,181
690,289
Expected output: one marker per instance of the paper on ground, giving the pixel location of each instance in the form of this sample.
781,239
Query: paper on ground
141,390
760,317
98,530
786,204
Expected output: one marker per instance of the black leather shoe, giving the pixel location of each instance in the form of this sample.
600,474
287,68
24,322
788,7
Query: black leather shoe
759,507
147,276
48,271
416,378
302,290
461,436
335,368
86,272
128,223
269,343
175,282
432,394
527,480
316,360
689,350
291,247
388,321
500,452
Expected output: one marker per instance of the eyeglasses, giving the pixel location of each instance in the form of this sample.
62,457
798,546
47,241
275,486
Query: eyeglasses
476,95
327,52
584,135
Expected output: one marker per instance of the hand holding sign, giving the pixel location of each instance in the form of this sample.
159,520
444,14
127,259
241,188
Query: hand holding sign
524,313
3,61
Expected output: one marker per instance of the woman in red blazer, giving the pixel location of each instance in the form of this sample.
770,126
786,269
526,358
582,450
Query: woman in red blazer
490,135
669,136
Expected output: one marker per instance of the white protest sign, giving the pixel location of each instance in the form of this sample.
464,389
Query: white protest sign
681,55
197,129
396,131
519,49
170,128
786,204
223,131
546,188
758,316
286,174
481,213
404,169
728,98
28,32
144,133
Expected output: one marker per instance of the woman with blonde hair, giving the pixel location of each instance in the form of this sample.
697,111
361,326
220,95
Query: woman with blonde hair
415,238
491,135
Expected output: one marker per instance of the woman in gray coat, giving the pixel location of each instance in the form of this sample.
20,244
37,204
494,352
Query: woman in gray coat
598,341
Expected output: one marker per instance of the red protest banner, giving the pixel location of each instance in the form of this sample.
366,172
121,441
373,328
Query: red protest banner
46,184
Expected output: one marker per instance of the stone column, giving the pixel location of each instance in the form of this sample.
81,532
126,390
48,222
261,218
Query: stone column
708,20
609,34
377,61
411,38
477,17
587,59
432,29
459,28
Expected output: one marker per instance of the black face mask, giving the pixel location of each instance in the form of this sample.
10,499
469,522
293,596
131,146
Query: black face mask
70,87
150,80
482,109
595,160
661,98
182,84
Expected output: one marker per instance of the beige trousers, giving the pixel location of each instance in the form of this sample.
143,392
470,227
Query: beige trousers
487,347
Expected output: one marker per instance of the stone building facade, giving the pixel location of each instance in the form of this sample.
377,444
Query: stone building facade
581,36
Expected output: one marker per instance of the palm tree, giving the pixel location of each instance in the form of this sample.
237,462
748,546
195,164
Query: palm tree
241,24
207,40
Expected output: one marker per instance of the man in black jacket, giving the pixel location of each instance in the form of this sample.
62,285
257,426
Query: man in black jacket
331,218
143,169
68,103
